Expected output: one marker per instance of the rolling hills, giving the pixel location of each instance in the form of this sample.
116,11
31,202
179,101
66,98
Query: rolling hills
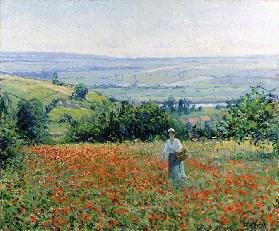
27,88
200,79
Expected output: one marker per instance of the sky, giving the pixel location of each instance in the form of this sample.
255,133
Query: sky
141,28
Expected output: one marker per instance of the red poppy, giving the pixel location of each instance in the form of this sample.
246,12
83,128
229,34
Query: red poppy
33,219
270,220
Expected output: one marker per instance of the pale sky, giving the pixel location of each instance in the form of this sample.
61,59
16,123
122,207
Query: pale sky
141,28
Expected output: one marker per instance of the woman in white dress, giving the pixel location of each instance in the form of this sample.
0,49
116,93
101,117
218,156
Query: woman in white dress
176,171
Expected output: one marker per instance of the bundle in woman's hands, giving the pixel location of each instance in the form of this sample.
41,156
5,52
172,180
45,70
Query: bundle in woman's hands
181,154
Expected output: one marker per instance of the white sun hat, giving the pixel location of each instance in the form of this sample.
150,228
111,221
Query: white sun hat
171,130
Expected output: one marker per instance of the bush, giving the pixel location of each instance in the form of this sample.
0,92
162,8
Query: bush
32,121
198,132
80,92
84,131
9,140
52,104
126,122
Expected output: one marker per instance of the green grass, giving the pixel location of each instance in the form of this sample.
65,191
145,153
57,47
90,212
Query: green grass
25,88
76,113
206,111
92,96
45,91
58,131
201,93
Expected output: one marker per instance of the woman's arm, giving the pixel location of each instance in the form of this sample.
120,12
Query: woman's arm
179,146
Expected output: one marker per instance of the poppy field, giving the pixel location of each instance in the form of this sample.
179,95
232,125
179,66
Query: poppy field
125,187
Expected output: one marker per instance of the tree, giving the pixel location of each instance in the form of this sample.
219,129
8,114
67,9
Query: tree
170,103
32,121
55,79
80,91
254,116
9,138
5,104
180,105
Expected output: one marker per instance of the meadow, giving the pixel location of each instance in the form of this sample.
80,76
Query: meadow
28,88
125,187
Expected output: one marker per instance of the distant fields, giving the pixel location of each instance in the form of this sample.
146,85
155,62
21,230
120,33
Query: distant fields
200,79
195,94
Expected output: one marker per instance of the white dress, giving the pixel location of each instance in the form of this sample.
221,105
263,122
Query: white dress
175,166
170,148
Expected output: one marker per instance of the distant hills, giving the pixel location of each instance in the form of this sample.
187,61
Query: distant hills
200,79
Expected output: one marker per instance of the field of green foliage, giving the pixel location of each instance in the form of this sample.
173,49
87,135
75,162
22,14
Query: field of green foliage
26,88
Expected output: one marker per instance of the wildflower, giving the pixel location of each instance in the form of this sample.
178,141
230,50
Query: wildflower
33,219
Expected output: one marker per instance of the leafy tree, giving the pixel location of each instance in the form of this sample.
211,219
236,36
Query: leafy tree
184,106
55,79
154,122
80,91
5,104
66,118
254,116
84,132
180,129
170,103
32,120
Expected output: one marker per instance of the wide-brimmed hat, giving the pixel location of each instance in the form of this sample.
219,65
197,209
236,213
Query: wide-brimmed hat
171,130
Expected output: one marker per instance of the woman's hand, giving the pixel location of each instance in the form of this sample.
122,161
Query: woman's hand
162,156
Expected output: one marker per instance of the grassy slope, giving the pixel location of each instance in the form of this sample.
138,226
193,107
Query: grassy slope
25,88
76,113
45,91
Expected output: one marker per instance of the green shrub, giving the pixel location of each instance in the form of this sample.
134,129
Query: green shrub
9,139
127,122
80,92
32,121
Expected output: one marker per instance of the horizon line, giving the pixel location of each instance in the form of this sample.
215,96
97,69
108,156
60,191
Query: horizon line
142,57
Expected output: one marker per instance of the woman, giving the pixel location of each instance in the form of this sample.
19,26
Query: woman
176,171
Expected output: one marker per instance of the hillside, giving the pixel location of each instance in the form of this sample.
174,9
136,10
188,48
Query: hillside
27,88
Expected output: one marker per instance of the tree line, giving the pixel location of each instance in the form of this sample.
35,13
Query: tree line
125,121
183,106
